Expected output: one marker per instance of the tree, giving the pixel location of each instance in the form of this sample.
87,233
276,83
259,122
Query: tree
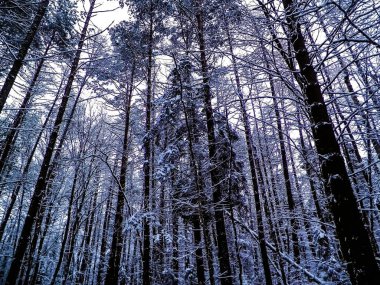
124,43
223,252
39,192
24,47
354,240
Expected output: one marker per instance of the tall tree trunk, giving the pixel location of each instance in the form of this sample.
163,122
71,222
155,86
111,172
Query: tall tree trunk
354,240
198,251
251,155
313,186
33,262
285,170
67,228
199,224
147,155
103,245
52,172
69,250
112,275
19,60
42,181
86,259
25,171
223,252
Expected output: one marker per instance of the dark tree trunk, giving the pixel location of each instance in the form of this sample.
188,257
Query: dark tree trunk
69,250
112,275
52,172
86,259
67,228
313,186
175,263
223,252
42,181
146,244
11,138
25,172
103,245
354,240
285,169
198,220
147,155
34,262
19,60
198,251
250,150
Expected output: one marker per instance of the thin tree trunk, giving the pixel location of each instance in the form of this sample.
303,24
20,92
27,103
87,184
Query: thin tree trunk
197,219
313,187
112,275
25,171
103,246
37,259
52,172
147,156
86,259
198,251
77,222
223,251
285,170
67,228
12,135
251,155
374,139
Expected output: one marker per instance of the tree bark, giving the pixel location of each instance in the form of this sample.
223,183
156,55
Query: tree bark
86,259
67,228
26,170
103,245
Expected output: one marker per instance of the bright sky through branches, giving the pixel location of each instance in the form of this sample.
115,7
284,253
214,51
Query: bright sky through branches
107,13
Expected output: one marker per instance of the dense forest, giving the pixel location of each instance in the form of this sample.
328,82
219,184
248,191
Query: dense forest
190,142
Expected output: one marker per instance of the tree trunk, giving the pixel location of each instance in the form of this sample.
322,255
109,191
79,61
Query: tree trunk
198,251
19,60
285,168
147,154
252,166
117,238
11,138
354,240
103,245
42,181
25,171
67,228
223,252
86,259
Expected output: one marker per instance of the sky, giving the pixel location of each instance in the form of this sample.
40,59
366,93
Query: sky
108,12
